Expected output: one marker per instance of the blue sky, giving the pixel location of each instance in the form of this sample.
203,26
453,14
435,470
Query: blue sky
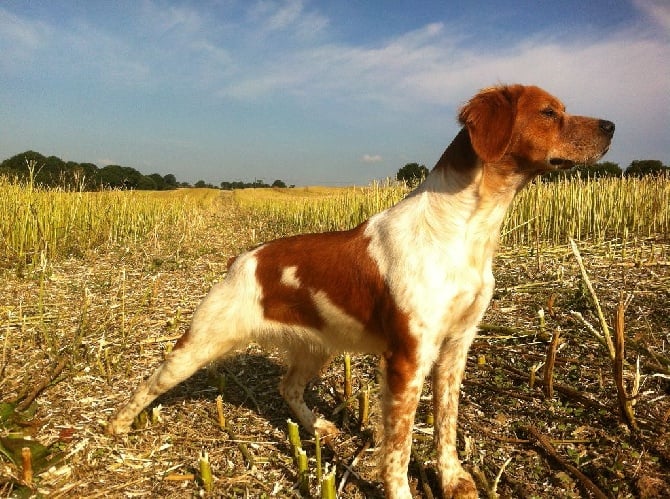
313,92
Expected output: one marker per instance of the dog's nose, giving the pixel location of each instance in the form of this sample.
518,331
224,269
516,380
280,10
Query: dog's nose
607,127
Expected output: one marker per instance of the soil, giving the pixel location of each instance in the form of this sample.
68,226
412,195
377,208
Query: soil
76,337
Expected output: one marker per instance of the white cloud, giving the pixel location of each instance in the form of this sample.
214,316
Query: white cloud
623,76
106,162
20,40
362,73
371,158
94,53
426,67
657,10
166,19
282,15
20,31
286,15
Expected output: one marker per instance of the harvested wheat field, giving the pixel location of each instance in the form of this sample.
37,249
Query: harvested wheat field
550,406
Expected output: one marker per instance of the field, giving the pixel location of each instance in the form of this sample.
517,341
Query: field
98,286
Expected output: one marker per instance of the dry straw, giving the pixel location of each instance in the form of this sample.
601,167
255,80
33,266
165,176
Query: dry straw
39,225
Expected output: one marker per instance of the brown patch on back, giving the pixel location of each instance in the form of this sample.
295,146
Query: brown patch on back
339,265
336,263
282,303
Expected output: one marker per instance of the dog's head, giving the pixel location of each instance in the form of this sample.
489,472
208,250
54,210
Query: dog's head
528,128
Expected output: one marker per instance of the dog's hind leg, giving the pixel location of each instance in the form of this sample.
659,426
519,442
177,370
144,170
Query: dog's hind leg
188,355
305,364
223,321
215,330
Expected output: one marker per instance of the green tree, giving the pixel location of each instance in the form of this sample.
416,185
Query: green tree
412,173
146,183
89,176
111,176
18,164
608,169
158,181
642,167
54,172
279,183
203,184
122,177
170,181
599,170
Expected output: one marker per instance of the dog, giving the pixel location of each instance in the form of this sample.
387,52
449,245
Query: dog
410,284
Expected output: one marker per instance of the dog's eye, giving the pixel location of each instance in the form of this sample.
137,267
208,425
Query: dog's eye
548,112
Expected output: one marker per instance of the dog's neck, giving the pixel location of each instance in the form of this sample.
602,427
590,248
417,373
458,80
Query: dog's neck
467,193
460,165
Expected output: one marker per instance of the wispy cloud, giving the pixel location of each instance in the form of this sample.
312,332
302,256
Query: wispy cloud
171,19
19,40
79,50
273,16
432,65
658,11
371,158
24,33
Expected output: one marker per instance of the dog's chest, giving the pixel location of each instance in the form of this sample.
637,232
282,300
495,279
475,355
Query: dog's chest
442,285
452,290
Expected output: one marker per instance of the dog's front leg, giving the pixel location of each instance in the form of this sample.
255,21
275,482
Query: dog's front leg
404,381
447,375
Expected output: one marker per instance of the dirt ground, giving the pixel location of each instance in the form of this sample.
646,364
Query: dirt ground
77,337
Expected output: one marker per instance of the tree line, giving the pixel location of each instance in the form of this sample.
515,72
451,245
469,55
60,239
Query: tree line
413,173
52,172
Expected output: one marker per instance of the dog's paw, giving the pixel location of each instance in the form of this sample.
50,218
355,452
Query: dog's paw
327,431
460,487
114,427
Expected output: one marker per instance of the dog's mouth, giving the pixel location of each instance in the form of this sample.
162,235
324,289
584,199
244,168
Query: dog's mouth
565,164
561,163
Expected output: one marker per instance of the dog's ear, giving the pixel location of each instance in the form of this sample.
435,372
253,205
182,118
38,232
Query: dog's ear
489,118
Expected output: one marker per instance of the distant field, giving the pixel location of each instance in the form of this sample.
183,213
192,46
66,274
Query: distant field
319,209
307,192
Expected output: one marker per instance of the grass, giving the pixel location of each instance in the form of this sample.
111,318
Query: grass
582,209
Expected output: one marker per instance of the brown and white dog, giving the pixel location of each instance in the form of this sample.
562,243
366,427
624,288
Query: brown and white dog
411,283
